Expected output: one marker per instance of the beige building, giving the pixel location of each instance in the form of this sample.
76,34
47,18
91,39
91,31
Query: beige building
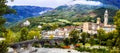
59,32
92,28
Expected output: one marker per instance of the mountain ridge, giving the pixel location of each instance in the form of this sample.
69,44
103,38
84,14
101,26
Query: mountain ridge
23,12
70,15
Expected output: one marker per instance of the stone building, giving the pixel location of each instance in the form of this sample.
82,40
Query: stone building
92,28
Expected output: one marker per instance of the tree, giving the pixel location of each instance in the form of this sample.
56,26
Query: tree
84,36
23,34
3,47
117,23
9,36
113,35
92,41
49,26
100,35
2,28
4,9
67,41
32,34
46,27
74,36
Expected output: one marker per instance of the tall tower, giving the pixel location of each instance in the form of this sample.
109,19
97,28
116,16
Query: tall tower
98,23
106,18
98,20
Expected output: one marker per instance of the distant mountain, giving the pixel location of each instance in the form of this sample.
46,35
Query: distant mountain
109,2
81,11
23,12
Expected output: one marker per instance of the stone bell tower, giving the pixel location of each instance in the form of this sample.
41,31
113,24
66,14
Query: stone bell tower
106,18
98,23
98,20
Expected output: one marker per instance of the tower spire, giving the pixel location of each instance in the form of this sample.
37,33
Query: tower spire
106,18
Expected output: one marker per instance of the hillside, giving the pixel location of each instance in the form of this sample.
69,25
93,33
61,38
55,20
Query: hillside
70,15
80,12
23,12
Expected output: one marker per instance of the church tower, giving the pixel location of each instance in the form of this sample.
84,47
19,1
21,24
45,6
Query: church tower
106,18
98,20
98,23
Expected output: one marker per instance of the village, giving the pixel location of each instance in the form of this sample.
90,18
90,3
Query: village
59,26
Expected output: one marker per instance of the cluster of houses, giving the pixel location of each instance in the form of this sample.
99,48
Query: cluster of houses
59,32
88,27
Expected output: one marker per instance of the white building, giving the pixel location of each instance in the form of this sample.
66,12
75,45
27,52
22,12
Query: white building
26,23
58,33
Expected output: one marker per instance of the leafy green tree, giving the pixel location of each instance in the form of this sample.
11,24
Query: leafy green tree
2,28
9,36
3,47
49,26
117,23
92,41
4,9
17,36
32,34
84,36
74,36
23,34
113,35
46,27
54,26
109,43
101,35
67,41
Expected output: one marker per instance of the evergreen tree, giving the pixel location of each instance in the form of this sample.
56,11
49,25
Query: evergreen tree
4,9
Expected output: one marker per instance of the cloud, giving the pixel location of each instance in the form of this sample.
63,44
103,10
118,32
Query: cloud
50,3
96,3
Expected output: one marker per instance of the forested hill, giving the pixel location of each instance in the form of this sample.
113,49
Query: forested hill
23,12
79,12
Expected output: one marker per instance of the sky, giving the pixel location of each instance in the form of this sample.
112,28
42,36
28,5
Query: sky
51,3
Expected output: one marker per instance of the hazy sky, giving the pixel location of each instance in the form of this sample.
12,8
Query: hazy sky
51,3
